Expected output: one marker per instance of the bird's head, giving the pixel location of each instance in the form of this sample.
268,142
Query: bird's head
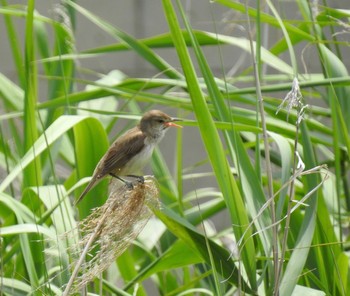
154,123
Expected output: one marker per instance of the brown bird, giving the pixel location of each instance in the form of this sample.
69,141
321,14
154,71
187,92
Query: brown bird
131,152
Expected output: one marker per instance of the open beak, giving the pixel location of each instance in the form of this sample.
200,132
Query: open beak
171,123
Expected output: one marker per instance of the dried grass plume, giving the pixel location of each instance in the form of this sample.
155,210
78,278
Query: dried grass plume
110,229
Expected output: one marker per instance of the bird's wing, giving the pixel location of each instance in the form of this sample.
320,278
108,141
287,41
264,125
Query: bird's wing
119,154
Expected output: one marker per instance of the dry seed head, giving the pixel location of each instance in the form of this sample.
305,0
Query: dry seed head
115,224
293,99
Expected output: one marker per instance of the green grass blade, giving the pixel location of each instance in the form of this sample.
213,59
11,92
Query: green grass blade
12,286
198,243
302,245
15,45
56,130
212,143
133,43
25,244
32,173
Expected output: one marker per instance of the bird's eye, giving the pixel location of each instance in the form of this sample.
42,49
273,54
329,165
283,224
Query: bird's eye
160,120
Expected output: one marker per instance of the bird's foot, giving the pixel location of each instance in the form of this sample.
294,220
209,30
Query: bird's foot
140,179
127,183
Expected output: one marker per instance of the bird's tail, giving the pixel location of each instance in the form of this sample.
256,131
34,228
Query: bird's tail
91,184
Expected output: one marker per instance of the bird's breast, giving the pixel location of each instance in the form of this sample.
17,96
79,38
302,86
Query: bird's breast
138,162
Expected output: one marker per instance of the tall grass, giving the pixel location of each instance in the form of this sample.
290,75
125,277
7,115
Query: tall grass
275,135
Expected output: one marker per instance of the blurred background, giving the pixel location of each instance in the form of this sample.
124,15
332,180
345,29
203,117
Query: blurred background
143,19
99,57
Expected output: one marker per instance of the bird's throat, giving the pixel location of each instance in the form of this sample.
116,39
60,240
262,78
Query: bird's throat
154,138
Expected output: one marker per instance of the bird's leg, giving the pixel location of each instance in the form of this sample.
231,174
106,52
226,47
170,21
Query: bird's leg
141,179
127,183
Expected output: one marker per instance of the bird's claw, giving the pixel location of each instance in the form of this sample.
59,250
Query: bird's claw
129,185
141,179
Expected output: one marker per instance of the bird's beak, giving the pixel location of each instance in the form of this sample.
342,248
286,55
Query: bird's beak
171,123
